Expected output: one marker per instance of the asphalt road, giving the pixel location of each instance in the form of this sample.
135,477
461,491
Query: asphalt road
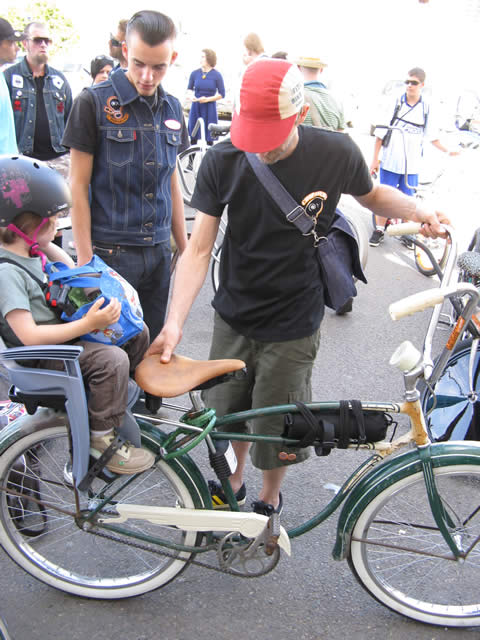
308,596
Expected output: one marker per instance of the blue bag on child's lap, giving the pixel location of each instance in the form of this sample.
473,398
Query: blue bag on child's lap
75,290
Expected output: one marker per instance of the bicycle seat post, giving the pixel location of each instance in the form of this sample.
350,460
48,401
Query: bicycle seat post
197,400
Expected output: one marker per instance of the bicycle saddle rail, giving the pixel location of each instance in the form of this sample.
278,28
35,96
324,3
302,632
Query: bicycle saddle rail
181,374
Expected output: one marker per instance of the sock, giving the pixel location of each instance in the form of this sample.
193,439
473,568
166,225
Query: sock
100,434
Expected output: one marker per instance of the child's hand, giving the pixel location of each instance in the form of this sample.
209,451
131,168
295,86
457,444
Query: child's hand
101,318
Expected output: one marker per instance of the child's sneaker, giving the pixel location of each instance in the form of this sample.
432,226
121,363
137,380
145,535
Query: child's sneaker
127,459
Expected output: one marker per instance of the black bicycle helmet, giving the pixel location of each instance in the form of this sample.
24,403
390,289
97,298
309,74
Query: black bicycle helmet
29,185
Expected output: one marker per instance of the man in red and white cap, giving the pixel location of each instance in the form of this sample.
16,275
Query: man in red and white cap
270,300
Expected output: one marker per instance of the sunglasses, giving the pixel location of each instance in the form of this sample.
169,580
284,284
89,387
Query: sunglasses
40,40
115,42
414,83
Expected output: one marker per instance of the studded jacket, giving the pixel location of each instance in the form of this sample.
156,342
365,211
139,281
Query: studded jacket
58,102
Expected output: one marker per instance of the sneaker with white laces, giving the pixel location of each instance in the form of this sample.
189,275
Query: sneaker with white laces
126,460
376,238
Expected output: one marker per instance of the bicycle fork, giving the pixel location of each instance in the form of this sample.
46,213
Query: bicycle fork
452,532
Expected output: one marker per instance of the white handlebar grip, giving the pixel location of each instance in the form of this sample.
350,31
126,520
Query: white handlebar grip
417,302
404,229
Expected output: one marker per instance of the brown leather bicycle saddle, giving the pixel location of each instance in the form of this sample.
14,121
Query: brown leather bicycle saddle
180,374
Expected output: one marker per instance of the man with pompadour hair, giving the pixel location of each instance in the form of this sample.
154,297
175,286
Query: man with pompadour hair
124,135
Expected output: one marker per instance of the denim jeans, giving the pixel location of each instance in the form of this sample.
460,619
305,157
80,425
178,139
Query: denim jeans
148,270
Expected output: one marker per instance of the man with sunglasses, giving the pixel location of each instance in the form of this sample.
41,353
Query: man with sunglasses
115,44
411,114
41,100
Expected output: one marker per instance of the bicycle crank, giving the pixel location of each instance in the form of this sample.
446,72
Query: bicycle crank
254,557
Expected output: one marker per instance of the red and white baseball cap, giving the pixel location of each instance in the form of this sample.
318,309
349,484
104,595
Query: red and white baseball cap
271,95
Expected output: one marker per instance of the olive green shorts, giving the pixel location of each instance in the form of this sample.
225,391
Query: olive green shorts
277,373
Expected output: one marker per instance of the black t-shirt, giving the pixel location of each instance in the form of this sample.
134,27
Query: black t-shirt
42,143
270,288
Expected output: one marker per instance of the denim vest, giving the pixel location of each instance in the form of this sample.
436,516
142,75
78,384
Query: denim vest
58,102
134,160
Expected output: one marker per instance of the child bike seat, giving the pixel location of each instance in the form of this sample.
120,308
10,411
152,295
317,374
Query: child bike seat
62,390
182,374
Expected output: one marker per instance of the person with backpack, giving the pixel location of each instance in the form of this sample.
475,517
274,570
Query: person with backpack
411,114
32,196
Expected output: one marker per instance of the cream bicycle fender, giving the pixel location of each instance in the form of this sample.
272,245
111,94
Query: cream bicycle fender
391,471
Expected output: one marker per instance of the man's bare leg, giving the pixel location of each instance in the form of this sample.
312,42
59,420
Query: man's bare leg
272,478
272,481
241,451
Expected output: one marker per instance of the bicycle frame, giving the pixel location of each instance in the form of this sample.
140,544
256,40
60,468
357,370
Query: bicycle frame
199,424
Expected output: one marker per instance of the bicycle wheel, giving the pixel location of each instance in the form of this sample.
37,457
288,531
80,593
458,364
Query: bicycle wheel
76,561
188,163
451,414
400,557
215,268
439,248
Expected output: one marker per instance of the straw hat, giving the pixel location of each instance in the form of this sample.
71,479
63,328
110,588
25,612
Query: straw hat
310,63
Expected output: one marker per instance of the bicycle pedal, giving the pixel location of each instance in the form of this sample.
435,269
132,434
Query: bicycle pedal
272,533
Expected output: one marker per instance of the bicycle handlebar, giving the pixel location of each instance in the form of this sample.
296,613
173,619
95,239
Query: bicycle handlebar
430,298
404,229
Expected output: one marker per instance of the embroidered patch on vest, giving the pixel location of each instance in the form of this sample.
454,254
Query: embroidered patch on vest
114,111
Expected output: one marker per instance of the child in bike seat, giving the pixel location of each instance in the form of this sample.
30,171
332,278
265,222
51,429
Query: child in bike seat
31,196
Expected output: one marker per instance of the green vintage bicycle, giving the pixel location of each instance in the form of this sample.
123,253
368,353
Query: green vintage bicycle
409,524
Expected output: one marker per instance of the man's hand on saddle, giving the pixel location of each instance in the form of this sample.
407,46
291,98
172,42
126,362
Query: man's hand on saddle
166,341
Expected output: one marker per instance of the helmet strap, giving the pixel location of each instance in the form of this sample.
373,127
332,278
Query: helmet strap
32,242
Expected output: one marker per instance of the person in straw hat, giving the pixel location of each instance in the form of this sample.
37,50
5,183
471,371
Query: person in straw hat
325,110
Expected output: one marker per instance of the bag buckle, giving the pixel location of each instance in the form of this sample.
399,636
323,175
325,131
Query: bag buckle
301,220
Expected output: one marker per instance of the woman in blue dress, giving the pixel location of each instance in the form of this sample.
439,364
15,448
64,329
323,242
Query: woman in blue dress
206,85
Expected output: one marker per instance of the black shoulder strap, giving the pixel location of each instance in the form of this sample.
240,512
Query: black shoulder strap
289,207
397,109
17,264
